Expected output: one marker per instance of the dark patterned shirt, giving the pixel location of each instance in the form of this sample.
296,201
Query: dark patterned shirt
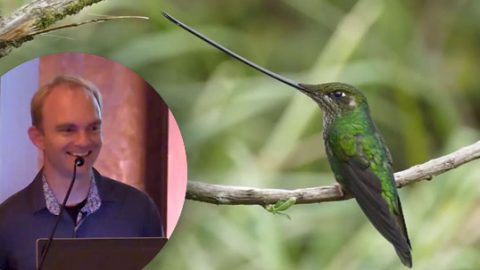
93,202
113,209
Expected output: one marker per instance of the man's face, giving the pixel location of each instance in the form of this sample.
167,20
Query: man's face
70,127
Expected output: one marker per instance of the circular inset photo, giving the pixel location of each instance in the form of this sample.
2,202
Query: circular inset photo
92,166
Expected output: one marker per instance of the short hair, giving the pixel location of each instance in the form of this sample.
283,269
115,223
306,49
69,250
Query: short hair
72,82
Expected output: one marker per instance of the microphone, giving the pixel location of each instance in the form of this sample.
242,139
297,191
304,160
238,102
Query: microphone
79,161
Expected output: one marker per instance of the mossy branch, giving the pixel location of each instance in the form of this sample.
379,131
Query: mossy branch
235,195
33,17
38,16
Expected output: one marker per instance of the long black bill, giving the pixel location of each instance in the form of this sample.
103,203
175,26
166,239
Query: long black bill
234,55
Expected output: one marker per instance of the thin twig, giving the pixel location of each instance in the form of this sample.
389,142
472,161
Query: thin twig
235,195
102,19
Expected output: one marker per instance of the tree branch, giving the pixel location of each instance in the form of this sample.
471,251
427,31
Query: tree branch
235,195
33,17
102,19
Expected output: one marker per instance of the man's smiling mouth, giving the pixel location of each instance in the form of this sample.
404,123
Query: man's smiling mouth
80,154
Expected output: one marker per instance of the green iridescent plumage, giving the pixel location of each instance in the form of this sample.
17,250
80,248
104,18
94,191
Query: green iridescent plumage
360,160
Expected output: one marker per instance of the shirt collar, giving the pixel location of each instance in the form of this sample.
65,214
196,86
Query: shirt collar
93,199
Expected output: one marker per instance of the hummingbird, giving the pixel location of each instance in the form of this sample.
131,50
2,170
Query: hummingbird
356,152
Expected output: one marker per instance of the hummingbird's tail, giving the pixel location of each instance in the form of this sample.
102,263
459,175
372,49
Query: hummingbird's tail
405,257
403,253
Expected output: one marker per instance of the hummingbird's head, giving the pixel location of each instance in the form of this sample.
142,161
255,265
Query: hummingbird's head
336,98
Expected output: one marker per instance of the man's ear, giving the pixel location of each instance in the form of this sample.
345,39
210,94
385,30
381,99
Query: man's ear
37,137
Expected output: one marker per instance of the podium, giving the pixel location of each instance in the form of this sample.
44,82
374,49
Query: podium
99,253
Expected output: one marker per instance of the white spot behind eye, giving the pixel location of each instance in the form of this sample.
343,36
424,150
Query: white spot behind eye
352,103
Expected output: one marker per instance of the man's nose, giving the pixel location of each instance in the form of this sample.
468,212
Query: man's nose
83,138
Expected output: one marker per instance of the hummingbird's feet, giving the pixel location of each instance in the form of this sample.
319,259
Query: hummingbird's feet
281,206
340,189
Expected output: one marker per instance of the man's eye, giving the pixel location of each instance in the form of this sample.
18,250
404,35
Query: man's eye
95,128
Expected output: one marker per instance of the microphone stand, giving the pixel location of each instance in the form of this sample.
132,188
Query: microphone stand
79,161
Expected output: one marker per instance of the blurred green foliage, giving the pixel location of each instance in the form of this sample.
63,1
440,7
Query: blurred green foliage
416,61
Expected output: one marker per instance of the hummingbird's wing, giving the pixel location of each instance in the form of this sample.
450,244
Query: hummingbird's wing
383,210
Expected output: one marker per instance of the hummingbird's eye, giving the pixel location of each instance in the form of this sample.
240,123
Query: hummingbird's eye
337,94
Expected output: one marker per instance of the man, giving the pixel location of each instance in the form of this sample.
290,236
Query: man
67,124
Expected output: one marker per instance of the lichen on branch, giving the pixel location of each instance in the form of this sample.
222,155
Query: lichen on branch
37,15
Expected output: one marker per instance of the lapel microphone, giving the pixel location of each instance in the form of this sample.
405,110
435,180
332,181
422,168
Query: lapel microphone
79,161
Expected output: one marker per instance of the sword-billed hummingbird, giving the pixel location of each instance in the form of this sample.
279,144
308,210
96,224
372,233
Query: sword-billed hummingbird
357,154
